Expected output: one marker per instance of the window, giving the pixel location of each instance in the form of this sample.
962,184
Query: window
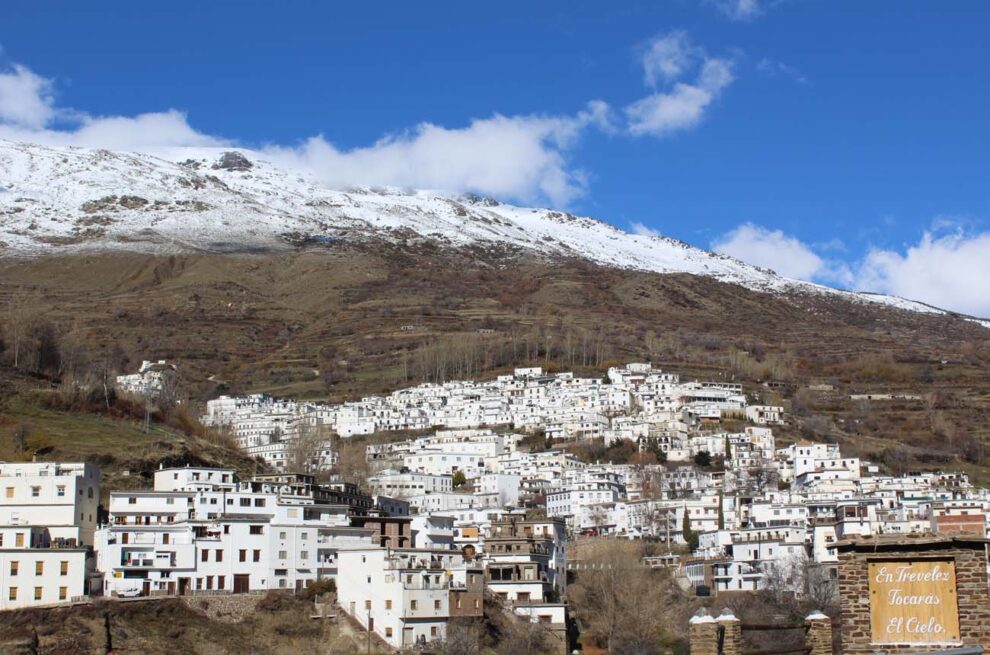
39,568
436,604
413,604
204,555
259,502
388,632
257,529
37,593
219,555
283,554
220,581
245,502
433,631
304,536
10,492
60,490
35,492
14,567
63,568
63,593
130,501
304,554
242,555
257,555
367,604
281,535
388,604
12,594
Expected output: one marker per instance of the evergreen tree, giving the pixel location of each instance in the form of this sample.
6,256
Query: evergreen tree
690,536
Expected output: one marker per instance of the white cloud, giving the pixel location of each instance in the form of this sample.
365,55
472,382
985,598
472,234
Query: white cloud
950,271
683,106
25,98
739,9
784,254
643,230
513,157
518,157
667,57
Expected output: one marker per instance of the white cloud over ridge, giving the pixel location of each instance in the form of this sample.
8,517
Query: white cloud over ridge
777,251
681,105
521,158
950,271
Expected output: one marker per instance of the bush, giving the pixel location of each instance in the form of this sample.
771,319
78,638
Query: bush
318,588
273,601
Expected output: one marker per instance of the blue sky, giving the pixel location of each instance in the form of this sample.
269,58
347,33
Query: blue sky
843,142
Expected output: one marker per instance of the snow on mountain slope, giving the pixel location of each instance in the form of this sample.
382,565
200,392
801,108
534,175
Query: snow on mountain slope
216,200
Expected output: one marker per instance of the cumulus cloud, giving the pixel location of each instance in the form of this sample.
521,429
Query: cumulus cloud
681,105
950,271
787,255
522,157
513,157
25,98
28,112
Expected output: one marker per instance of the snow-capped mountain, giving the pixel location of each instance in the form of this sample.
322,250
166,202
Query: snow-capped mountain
64,200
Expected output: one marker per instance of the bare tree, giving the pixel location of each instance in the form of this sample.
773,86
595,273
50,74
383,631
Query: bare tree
20,316
304,453
461,640
623,606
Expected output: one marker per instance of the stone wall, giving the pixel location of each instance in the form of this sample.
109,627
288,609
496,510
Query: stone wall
970,557
226,608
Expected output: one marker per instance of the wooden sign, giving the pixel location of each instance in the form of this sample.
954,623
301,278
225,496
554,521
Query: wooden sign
913,602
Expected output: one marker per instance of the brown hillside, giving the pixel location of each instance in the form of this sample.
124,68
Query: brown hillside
340,323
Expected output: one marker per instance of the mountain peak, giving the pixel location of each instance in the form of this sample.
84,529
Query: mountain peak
67,200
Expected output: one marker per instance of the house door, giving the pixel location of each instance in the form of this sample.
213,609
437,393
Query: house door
171,587
242,583
183,586
124,537
146,588
407,637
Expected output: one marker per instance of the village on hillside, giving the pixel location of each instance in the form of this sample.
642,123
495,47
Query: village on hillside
486,503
